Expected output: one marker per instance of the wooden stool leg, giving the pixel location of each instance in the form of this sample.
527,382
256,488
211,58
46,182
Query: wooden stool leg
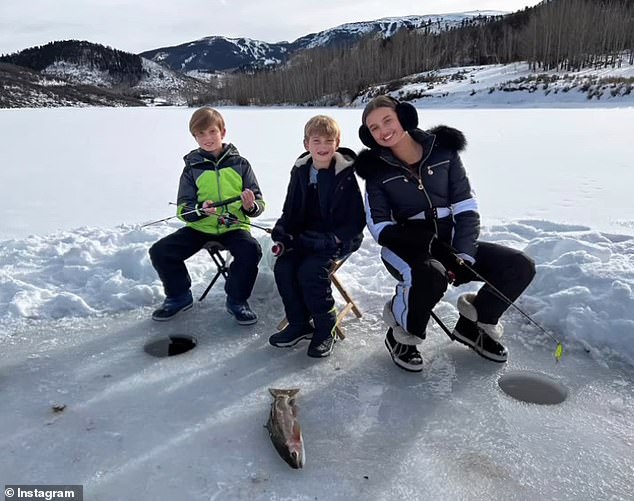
346,296
339,332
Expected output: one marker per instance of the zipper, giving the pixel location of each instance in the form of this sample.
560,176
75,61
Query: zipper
416,178
393,178
420,169
430,168
216,165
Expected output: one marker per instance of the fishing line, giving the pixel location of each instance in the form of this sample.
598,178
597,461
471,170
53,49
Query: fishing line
559,351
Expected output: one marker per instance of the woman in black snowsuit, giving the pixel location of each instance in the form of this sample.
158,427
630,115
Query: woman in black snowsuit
421,210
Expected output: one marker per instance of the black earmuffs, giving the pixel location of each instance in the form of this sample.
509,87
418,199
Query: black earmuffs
407,117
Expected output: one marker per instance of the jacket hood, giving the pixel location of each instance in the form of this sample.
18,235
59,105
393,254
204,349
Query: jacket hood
200,156
344,158
440,136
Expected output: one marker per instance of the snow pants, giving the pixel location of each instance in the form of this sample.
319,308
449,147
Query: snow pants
423,282
168,257
303,281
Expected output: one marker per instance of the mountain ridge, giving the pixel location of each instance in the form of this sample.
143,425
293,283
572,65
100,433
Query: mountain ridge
217,53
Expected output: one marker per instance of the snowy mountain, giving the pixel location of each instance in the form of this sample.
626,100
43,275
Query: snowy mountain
80,64
386,27
25,88
218,53
156,83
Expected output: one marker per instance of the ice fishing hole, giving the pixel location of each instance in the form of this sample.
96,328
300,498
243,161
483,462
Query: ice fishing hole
170,346
533,387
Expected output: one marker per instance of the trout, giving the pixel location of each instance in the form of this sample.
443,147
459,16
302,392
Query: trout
286,434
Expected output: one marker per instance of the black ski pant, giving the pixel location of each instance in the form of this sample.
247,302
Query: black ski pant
423,282
303,281
168,257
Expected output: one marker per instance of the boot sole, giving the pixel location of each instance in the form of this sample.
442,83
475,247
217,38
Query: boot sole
242,322
400,364
167,319
484,354
321,355
291,343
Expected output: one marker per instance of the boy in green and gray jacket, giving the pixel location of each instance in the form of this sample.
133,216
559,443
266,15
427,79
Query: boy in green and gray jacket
213,173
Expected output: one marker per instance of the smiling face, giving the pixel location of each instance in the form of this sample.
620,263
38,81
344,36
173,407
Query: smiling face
210,139
321,149
385,127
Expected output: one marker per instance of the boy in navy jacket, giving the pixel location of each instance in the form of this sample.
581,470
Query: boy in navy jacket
322,221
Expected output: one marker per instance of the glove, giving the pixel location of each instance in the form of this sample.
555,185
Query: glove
317,241
456,265
459,275
410,236
284,242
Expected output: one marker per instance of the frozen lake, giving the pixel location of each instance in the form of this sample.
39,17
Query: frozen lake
76,297
572,166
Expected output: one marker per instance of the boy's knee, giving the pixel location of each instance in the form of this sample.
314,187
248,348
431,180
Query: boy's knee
284,269
248,251
155,252
255,249
313,275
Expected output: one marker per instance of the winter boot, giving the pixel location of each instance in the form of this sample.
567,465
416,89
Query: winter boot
324,336
401,344
482,338
242,312
172,306
292,334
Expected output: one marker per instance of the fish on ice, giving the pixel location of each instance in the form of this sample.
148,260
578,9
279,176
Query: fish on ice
284,428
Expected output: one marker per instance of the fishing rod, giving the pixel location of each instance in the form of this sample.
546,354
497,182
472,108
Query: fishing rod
192,211
168,218
559,351
442,325
228,219
222,203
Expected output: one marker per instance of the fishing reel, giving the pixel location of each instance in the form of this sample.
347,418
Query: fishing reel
227,220
278,249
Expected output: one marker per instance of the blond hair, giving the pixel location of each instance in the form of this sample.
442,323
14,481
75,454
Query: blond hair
205,117
322,125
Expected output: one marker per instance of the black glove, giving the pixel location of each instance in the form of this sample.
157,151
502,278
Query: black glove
460,274
317,241
457,271
285,240
407,237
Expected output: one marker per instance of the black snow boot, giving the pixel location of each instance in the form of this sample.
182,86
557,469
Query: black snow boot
291,335
477,335
406,356
324,336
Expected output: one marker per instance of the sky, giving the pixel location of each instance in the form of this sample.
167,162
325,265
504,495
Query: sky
77,290
139,25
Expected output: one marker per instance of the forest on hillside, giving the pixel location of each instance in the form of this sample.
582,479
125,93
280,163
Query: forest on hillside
123,67
556,34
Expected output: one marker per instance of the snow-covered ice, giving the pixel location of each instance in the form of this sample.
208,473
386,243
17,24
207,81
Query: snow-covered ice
77,290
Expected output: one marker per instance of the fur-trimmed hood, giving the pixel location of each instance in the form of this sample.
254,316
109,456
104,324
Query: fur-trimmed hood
344,158
440,136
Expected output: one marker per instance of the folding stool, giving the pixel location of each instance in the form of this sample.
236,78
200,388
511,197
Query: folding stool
222,268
